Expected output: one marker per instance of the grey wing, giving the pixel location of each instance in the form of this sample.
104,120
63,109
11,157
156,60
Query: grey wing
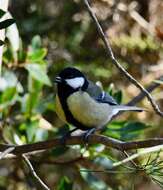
100,96
106,98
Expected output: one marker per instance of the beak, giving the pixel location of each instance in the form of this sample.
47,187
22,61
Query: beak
58,79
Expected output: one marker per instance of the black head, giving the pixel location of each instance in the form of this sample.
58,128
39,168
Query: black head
71,78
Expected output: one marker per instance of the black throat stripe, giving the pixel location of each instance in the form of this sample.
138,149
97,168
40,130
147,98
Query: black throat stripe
63,94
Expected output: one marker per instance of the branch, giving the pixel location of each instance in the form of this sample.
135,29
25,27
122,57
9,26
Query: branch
43,185
142,95
117,64
57,162
74,140
140,20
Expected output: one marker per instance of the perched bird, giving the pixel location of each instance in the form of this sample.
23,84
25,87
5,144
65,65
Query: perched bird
83,104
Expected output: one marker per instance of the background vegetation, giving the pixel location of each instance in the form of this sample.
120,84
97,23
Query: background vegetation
50,35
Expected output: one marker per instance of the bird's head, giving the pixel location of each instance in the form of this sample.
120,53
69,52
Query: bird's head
71,78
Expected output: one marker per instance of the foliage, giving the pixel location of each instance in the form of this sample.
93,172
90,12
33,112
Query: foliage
55,34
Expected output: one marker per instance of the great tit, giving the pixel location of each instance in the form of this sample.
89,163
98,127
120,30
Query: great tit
84,104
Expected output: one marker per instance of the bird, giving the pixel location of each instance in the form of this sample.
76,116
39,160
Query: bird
84,104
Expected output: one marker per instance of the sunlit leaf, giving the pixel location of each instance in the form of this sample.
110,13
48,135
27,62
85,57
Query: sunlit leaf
13,36
37,55
38,72
31,128
36,42
8,94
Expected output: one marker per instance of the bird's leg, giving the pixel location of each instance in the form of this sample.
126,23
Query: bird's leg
67,135
87,134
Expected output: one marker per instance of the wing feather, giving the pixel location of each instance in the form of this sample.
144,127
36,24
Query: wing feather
100,96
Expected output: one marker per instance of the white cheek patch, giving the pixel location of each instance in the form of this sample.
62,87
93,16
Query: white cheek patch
75,82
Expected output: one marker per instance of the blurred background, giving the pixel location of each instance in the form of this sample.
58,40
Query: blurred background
50,35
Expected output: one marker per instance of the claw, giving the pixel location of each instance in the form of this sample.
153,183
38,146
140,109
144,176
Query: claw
87,134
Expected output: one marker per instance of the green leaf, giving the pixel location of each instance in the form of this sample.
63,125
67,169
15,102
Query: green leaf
31,130
22,55
64,184
31,101
132,127
8,94
37,55
6,23
118,96
127,126
2,12
36,42
13,37
125,130
38,72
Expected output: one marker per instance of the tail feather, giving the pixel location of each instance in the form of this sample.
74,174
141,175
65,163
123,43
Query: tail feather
128,108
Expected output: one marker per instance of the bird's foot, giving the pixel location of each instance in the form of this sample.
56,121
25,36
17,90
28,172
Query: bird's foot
87,134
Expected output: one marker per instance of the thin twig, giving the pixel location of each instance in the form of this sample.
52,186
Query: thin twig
117,64
5,152
142,152
140,20
26,160
107,171
132,161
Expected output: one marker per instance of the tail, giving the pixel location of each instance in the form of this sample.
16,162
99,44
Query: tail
128,108
117,108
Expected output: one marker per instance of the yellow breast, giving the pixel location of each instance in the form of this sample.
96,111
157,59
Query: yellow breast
87,111
59,109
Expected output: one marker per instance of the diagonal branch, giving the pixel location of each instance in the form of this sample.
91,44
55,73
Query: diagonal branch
141,95
118,65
